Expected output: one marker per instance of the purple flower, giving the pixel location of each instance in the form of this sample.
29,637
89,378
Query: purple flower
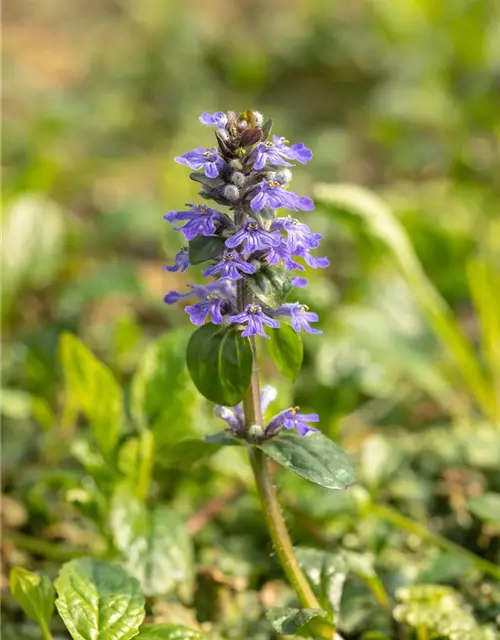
300,315
234,416
207,159
291,419
181,261
230,266
217,119
311,260
212,305
270,193
298,233
298,152
283,253
253,237
255,319
275,152
299,282
201,221
223,285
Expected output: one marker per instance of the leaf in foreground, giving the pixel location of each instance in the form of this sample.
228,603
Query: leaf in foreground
35,594
98,600
314,457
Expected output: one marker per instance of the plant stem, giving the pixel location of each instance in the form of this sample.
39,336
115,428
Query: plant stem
46,635
390,515
272,511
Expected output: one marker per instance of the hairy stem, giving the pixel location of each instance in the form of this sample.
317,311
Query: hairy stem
272,511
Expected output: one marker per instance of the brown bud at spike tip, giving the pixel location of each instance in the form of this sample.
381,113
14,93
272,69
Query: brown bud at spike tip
250,137
250,118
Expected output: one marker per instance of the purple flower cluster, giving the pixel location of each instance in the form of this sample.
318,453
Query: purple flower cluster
248,173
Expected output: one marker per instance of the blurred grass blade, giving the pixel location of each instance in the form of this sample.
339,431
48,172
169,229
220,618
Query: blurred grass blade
382,224
484,285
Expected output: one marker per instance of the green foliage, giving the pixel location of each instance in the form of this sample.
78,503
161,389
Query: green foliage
220,363
327,573
35,595
98,600
287,351
271,285
486,507
168,632
290,621
205,248
154,544
93,388
314,457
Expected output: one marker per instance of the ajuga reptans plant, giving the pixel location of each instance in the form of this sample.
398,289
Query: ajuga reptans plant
253,255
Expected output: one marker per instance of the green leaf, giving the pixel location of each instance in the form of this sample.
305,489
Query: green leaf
271,285
220,363
203,248
205,180
264,217
35,595
288,621
154,543
313,456
266,129
327,573
486,507
98,600
166,631
93,387
287,351
162,396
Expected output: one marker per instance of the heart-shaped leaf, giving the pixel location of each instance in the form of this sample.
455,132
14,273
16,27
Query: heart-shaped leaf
154,544
288,621
203,248
35,595
287,350
166,631
98,600
327,573
271,285
220,363
313,456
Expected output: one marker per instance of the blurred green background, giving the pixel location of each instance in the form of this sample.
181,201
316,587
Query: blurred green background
399,96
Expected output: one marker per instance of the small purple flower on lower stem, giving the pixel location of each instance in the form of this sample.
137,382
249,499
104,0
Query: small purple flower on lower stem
217,119
253,237
291,419
311,260
298,233
235,417
212,305
206,159
283,253
230,266
270,193
300,315
181,261
299,283
255,319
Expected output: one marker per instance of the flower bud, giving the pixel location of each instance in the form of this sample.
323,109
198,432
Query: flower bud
259,118
238,178
242,125
231,192
255,432
283,176
236,164
223,134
